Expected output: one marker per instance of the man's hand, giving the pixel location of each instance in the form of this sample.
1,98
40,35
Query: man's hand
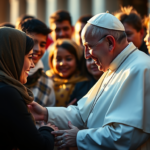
66,138
39,112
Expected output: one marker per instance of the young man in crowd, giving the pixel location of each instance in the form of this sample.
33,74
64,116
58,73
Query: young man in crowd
38,82
61,27
132,22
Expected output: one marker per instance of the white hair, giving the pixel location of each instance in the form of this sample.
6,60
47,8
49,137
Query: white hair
98,32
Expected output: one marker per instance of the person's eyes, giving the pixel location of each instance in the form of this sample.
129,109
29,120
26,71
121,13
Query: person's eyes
42,45
30,57
69,59
65,28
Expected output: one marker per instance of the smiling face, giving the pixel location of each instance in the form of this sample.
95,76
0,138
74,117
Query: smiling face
93,68
64,63
61,30
133,35
39,45
28,64
97,49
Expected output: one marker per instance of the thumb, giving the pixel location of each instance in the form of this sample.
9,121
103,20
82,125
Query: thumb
70,125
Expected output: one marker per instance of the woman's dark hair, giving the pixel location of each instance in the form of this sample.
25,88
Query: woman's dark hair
29,44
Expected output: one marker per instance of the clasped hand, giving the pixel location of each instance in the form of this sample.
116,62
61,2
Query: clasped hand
66,138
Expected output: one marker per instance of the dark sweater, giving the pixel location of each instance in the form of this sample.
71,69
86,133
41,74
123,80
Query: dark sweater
81,89
143,48
17,129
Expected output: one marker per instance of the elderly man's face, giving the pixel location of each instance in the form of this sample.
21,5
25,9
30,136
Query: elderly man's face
97,49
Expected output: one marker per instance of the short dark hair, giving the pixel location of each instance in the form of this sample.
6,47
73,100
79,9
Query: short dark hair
84,19
29,44
35,25
59,16
7,24
130,16
21,19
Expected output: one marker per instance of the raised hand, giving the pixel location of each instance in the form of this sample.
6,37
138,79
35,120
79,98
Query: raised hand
39,112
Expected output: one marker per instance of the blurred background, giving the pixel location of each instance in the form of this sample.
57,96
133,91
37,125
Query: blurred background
10,10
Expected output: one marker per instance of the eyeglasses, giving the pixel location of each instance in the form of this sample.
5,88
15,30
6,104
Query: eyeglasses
91,47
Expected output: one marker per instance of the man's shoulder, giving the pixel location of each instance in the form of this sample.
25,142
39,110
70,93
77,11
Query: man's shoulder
140,59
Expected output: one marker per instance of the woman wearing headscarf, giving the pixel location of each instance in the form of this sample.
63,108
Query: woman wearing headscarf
18,130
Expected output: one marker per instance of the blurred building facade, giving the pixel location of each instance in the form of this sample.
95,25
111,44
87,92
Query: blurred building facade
10,10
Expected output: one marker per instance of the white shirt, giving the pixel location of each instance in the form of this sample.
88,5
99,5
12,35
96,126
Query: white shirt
122,108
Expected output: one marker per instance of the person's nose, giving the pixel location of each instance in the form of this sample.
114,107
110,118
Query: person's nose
63,62
147,39
62,33
32,64
36,47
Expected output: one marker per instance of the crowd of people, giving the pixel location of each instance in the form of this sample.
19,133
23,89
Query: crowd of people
84,87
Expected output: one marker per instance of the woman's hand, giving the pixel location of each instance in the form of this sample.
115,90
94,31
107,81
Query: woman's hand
66,138
39,112
49,125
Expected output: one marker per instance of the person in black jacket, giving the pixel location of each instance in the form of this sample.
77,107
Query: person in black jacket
18,129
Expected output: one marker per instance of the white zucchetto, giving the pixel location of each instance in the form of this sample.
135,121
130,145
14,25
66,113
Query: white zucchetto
107,21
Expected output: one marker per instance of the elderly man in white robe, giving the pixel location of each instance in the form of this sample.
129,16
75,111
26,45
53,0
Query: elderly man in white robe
114,114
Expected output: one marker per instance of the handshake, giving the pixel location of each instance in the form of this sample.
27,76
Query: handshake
63,138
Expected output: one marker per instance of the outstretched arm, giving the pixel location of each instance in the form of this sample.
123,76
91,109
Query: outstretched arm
39,112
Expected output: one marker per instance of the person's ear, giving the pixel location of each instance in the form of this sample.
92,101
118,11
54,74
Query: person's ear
111,42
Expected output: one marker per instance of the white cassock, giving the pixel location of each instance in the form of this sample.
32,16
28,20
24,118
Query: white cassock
120,119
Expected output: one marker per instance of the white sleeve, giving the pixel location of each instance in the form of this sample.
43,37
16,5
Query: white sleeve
61,115
114,136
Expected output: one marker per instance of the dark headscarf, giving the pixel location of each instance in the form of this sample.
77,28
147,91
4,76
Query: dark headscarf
12,52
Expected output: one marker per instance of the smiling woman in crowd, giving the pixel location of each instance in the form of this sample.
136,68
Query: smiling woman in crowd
17,124
64,60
